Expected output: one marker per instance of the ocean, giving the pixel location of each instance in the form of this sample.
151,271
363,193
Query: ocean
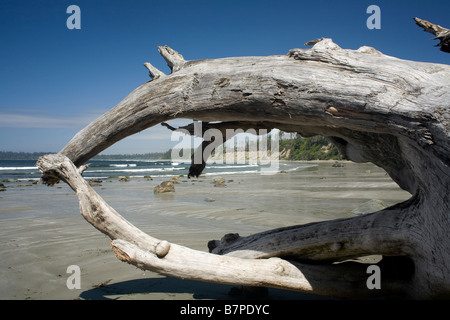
109,169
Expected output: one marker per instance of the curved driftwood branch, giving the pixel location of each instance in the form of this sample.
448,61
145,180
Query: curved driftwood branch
373,107
135,247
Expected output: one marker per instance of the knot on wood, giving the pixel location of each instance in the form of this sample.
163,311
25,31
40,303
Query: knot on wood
162,249
279,268
120,254
332,111
222,82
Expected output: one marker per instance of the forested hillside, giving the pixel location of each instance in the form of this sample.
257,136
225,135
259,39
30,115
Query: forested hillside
314,148
292,147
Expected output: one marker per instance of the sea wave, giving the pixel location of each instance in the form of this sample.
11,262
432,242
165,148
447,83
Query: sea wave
18,168
236,166
301,167
123,165
230,172
137,170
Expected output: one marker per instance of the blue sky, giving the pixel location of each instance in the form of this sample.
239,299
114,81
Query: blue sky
54,81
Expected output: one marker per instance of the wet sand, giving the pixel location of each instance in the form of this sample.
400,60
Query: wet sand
42,231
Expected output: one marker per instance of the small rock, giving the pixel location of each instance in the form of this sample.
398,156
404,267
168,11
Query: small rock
210,199
218,182
337,165
149,178
175,179
95,181
124,178
165,186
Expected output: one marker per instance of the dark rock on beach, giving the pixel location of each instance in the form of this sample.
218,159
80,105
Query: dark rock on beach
218,182
165,186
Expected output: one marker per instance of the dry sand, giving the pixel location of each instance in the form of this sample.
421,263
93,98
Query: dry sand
42,231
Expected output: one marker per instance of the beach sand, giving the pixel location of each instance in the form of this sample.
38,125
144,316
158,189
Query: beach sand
42,231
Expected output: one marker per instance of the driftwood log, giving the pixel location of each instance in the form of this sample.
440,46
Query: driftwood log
373,107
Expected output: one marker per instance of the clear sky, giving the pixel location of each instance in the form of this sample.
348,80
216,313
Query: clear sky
54,81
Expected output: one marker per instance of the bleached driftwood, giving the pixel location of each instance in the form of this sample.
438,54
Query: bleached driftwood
375,108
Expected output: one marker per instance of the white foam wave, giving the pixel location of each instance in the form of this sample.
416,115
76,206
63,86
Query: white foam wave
233,166
303,167
123,165
229,172
137,170
18,168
